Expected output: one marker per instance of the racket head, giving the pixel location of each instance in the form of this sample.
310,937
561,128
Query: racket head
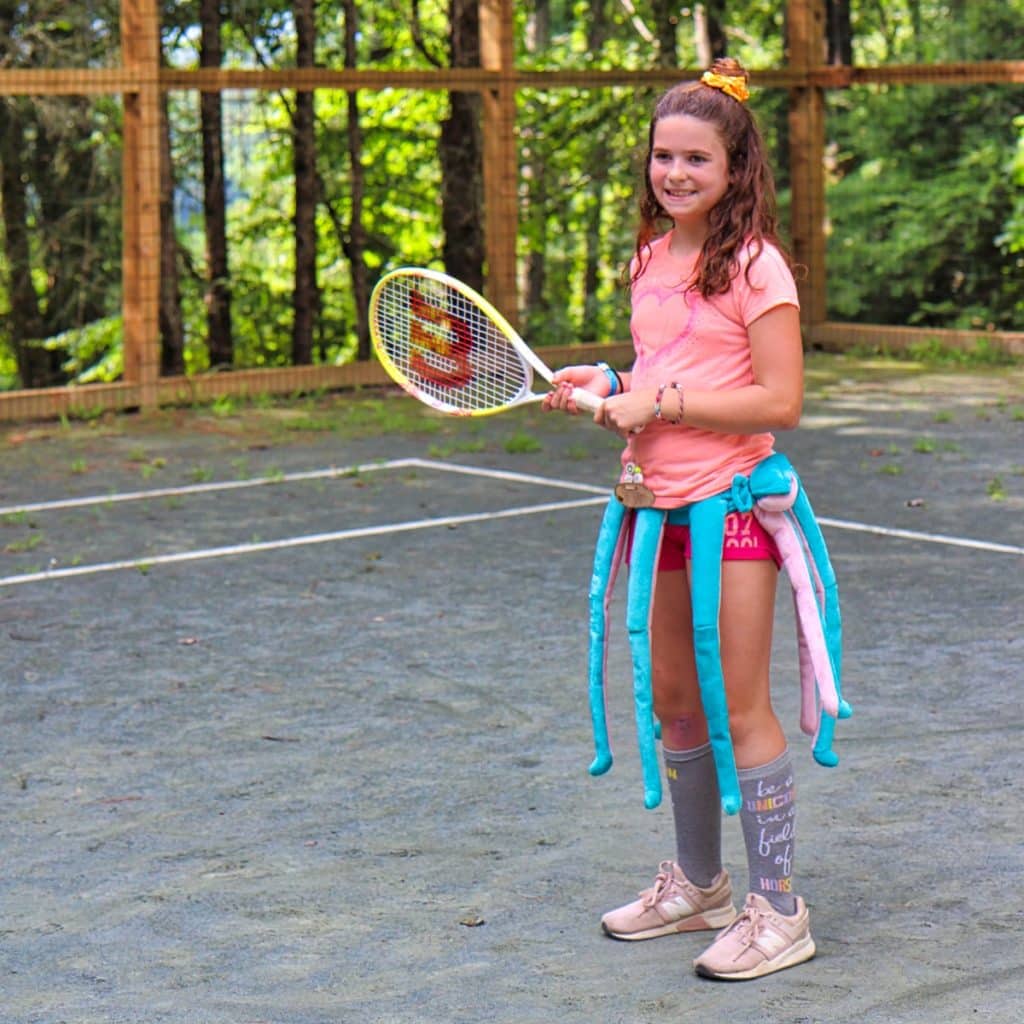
447,345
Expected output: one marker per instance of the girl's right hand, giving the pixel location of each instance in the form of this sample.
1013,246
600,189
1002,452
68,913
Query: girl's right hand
590,377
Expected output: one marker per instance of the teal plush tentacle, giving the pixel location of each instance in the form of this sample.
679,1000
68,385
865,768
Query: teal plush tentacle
643,562
606,554
707,532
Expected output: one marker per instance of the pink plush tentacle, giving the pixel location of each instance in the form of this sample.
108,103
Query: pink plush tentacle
789,541
808,690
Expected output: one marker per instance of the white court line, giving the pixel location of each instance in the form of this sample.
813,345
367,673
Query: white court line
372,531
283,478
228,485
522,478
930,538
295,542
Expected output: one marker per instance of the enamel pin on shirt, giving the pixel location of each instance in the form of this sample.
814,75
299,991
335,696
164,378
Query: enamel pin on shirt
631,490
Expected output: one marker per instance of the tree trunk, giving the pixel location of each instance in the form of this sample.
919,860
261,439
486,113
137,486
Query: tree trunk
536,223
592,271
916,26
534,173
596,34
666,21
597,26
36,366
306,298
461,156
709,31
218,292
538,26
172,324
356,250
66,218
839,32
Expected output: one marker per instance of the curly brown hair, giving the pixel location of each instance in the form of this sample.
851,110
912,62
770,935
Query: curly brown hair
747,211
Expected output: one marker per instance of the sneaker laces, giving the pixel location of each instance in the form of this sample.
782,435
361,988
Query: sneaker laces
663,881
748,926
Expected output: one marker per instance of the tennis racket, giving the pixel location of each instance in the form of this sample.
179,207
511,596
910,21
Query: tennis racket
450,348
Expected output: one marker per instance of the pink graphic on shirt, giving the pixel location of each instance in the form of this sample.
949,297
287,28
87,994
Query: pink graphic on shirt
657,309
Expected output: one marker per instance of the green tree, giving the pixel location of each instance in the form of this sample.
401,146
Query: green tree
920,201
58,175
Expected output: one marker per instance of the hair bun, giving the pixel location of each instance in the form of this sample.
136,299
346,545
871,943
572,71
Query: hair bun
729,67
728,76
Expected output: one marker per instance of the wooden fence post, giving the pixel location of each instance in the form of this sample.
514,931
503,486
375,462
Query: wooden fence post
805,20
501,164
140,160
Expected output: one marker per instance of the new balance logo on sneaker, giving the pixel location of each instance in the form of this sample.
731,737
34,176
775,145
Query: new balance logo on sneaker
760,941
673,904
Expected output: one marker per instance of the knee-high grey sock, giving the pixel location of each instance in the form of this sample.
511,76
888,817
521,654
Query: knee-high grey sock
768,816
696,809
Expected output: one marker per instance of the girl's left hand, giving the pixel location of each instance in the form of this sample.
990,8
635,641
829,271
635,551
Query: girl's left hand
570,377
628,413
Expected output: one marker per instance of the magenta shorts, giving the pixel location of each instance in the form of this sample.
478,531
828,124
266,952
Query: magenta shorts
745,540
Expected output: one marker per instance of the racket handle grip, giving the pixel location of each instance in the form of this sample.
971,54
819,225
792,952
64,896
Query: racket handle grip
586,400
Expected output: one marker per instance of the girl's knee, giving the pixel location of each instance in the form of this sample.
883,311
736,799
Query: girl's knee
683,730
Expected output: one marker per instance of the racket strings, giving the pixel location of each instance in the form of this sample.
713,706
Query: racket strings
447,347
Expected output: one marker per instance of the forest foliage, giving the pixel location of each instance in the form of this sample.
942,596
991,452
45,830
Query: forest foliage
925,183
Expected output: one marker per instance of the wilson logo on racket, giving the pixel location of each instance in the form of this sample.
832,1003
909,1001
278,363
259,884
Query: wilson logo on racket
440,344
447,345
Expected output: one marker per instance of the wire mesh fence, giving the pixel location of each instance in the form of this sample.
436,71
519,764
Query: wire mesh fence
895,136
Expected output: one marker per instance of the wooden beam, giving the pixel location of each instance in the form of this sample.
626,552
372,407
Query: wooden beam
805,23
959,74
111,81
91,399
834,336
140,247
501,163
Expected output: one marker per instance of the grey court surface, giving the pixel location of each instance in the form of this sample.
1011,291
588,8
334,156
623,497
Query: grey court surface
300,735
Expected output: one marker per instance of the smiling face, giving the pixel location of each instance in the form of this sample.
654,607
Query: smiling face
688,168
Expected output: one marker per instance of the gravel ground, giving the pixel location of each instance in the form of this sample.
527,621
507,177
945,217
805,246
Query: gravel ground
346,781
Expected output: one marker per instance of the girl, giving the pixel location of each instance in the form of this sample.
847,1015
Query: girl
719,364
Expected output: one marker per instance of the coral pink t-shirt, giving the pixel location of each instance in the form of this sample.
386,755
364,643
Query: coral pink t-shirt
701,344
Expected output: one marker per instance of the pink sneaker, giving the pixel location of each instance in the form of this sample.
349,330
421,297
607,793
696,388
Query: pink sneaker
672,904
760,941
